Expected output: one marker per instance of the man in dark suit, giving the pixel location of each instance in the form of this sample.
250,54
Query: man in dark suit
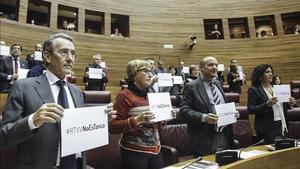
34,109
95,84
32,58
9,67
198,110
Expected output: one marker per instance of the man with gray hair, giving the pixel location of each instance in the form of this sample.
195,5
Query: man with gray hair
95,83
35,107
199,98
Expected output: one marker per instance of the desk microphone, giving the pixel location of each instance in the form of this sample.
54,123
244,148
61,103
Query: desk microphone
255,144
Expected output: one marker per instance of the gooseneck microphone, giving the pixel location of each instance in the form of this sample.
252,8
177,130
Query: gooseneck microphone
255,144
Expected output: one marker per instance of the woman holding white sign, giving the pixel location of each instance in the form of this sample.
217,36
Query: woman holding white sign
270,115
140,144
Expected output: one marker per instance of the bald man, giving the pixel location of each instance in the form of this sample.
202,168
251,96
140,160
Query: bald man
95,84
34,60
198,109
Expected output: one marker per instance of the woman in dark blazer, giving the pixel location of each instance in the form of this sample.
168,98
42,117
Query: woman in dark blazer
270,115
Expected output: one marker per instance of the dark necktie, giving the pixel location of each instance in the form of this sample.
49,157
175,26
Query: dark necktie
16,66
68,162
215,94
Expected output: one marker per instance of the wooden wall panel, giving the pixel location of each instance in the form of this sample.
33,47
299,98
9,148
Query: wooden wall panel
155,22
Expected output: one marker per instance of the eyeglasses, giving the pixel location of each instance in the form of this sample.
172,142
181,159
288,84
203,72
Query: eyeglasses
16,47
146,70
67,52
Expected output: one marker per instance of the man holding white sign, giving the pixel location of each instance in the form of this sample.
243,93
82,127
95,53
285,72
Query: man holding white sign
35,58
198,108
10,66
95,76
35,107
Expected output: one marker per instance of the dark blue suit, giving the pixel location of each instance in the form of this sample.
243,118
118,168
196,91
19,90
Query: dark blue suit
36,71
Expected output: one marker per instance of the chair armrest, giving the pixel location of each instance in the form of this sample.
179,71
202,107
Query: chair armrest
236,144
169,154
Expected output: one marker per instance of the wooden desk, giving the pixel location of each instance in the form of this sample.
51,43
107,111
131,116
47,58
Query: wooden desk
280,159
3,98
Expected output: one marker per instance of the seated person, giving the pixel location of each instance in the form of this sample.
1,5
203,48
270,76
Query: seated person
263,34
297,29
117,33
215,34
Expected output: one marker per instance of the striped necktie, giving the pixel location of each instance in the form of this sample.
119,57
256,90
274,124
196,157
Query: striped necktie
215,94
216,101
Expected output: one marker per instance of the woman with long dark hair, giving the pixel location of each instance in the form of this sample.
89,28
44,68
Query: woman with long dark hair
270,115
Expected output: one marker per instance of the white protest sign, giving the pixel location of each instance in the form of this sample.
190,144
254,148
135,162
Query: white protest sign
226,114
164,79
221,67
102,64
241,74
177,79
22,73
83,129
160,105
95,73
4,50
282,92
186,69
38,56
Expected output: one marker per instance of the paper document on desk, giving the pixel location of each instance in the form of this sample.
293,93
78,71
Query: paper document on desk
202,164
252,153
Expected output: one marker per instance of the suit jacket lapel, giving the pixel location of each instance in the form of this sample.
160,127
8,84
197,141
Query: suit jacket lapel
263,93
74,95
44,90
9,65
222,91
203,94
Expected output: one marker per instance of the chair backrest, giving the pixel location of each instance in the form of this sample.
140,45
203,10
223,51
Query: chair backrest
96,98
226,88
295,89
241,129
106,157
233,97
295,84
175,136
294,123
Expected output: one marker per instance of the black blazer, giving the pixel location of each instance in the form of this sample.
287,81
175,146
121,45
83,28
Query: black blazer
257,104
6,69
196,103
